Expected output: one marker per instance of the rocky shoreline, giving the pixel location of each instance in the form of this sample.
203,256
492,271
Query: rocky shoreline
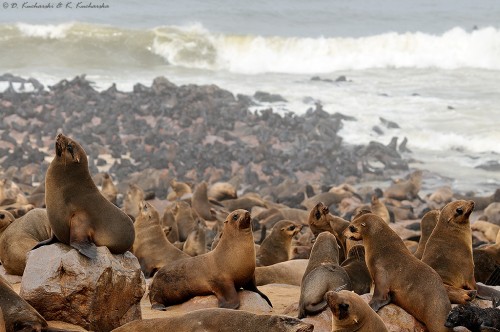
190,133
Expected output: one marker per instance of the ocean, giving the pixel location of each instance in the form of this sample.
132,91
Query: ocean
432,67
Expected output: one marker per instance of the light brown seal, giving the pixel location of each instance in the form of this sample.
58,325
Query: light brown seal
201,204
221,191
379,208
288,272
151,246
222,271
195,243
277,246
17,313
449,252
405,189
179,190
133,198
184,218
169,225
79,215
219,320
398,276
108,188
6,218
20,237
323,274
352,313
427,224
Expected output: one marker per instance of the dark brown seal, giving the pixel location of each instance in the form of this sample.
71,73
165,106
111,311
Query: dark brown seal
277,246
323,274
222,271
352,313
429,221
79,215
398,276
219,320
355,266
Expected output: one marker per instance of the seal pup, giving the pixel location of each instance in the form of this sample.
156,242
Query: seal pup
355,266
200,203
474,318
169,225
133,198
399,277
351,313
195,243
277,247
222,271
108,188
219,320
151,247
179,190
405,189
17,313
379,208
79,215
429,221
184,218
20,237
221,191
449,252
323,274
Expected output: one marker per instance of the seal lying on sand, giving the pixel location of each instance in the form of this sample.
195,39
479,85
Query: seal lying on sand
79,215
219,320
222,271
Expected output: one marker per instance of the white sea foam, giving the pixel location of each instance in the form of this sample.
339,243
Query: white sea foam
198,48
46,31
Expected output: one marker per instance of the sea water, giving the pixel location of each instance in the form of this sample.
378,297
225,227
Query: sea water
432,67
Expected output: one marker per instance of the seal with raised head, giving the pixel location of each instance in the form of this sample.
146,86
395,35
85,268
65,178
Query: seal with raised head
151,246
400,277
20,237
449,252
323,274
219,320
222,271
79,215
355,266
277,247
6,218
351,313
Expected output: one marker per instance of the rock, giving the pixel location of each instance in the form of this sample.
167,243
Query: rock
268,97
98,295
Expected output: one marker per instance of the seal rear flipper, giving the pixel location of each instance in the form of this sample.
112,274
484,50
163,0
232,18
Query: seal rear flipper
314,309
226,295
79,235
252,286
51,240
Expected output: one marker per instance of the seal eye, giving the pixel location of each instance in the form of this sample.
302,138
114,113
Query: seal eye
235,217
459,211
317,215
70,148
352,229
2,216
291,228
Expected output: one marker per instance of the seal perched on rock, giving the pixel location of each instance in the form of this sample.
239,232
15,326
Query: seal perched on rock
222,271
399,276
277,247
79,215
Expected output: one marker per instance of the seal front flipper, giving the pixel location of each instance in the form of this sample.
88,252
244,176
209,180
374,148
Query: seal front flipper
226,295
51,240
79,235
381,295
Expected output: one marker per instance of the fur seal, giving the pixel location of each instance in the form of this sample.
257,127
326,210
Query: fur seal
219,320
195,243
132,199
405,189
151,247
169,225
429,221
379,208
321,220
221,191
355,266
179,190
277,246
6,218
108,188
222,271
79,215
184,218
288,272
398,276
323,274
20,237
352,313
17,313
474,318
449,252
201,204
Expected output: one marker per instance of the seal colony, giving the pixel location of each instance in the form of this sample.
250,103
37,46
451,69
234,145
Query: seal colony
256,152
